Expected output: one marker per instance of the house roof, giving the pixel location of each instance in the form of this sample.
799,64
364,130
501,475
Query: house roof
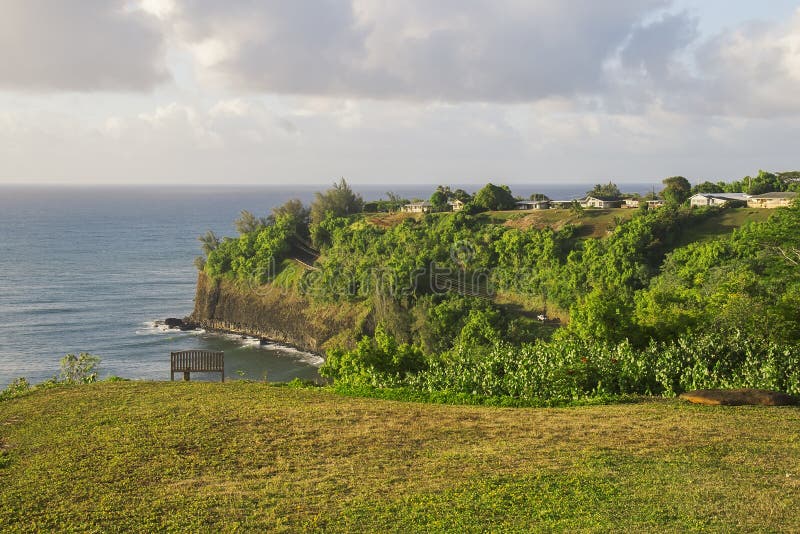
604,199
723,196
423,203
533,202
777,194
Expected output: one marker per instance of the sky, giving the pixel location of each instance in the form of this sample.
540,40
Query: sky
275,92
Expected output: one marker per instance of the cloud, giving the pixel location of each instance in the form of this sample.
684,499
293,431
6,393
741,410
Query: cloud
450,50
90,45
749,71
752,71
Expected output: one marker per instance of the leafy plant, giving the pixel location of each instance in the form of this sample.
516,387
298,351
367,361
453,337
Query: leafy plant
80,369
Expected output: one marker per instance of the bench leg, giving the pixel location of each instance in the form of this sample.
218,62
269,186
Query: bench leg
222,374
172,376
186,376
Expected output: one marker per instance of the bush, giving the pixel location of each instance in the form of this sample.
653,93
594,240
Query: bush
575,370
79,369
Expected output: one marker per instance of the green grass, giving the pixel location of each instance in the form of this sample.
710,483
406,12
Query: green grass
723,223
241,456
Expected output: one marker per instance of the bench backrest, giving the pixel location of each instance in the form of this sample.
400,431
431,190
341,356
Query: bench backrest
200,361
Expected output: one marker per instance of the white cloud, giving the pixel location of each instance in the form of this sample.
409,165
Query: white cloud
91,45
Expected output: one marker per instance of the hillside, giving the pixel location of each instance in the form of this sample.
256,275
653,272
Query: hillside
247,456
592,222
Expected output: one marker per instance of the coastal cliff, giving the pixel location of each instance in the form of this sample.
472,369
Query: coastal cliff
277,314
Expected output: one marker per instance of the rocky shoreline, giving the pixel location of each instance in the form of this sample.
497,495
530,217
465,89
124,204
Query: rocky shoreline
219,327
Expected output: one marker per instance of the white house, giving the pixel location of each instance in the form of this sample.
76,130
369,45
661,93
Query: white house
771,200
455,204
533,204
717,199
594,202
418,207
630,203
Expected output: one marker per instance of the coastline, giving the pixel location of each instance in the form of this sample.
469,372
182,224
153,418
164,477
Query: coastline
187,324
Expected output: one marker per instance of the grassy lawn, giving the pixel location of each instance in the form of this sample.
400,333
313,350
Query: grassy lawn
245,456
724,223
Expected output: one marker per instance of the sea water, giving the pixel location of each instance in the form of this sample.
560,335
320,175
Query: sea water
90,269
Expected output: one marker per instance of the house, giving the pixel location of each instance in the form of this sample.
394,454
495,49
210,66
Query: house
418,207
561,204
533,204
652,204
630,203
455,205
595,202
771,200
717,199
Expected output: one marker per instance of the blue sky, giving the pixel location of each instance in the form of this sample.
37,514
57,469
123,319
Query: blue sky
452,91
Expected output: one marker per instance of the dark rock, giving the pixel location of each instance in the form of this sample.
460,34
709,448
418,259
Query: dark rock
739,397
173,322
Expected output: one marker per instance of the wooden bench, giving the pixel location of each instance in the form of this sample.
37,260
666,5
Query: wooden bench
196,361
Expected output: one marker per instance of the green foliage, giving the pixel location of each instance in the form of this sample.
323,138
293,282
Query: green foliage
248,223
252,257
338,201
80,369
572,369
439,199
17,388
293,214
378,361
677,190
708,187
608,191
494,197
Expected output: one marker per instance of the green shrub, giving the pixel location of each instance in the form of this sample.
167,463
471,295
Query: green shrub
81,369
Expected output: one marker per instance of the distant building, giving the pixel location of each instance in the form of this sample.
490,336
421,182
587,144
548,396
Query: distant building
533,204
418,207
455,205
655,203
562,204
717,199
771,200
595,202
630,203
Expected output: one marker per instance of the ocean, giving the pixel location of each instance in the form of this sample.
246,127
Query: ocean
90,269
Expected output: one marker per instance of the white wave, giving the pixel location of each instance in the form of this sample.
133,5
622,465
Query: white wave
308,357
152,328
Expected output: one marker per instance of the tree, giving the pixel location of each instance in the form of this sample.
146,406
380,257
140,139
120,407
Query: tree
538,196
439,200
677,189
248,223
338,201
493,197
609,191
463,196
576,209
707,187
294,213
208,242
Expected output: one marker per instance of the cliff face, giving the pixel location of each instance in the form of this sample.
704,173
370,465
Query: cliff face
277,314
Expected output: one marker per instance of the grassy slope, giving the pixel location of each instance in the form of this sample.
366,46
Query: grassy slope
724,223
200,456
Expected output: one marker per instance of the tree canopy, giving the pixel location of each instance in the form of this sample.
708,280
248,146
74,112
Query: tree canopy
494,197
677,189
338,201
609,191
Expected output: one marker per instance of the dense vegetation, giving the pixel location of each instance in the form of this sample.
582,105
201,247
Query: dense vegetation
454,298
